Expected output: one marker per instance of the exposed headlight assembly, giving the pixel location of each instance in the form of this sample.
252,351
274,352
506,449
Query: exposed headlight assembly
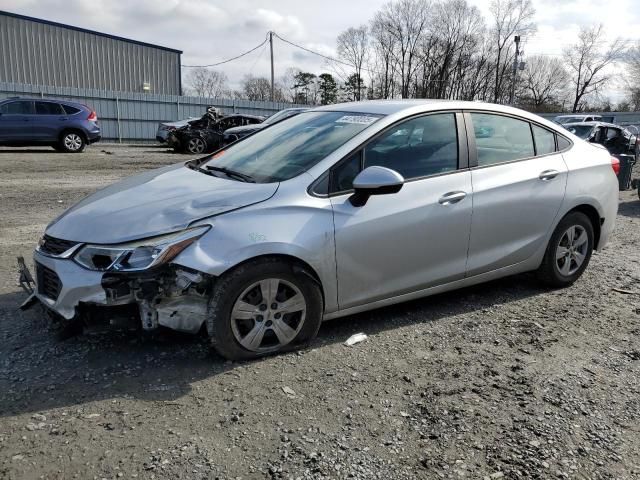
138,255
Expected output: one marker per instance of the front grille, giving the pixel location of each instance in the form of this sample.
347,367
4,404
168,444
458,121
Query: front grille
49,283
55,246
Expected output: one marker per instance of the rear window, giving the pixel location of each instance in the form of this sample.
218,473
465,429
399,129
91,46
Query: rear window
70,110
501,139
49,108
545,140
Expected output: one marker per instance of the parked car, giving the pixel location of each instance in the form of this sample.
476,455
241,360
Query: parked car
206,134
338,210
576,118
236,133
165,128
66,126
618,140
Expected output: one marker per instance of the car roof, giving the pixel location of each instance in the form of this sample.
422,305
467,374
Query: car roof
579,115
43,99
592,124
415,106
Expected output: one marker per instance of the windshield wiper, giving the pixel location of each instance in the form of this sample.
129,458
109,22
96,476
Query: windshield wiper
231,173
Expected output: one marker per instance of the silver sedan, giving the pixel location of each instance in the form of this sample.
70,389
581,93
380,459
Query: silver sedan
338,210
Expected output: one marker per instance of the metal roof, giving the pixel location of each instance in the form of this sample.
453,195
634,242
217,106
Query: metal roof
84,30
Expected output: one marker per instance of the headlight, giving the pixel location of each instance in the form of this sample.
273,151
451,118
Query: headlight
139,255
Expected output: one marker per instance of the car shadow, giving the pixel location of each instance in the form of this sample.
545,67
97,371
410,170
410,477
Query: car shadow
38,372
629,209
5,150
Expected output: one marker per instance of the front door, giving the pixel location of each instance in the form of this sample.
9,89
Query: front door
416,238
518,188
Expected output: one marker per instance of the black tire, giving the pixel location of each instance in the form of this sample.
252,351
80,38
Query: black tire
195,145
549,271
231,285
72,141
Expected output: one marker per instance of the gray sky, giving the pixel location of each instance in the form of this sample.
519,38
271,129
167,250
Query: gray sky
209,30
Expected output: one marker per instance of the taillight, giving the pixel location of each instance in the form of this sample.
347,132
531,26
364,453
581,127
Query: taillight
615,164
93,117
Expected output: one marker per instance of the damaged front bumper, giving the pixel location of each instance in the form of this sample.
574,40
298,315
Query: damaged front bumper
170,296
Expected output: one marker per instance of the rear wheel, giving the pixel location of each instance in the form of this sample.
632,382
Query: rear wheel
568,252
72,142
263,307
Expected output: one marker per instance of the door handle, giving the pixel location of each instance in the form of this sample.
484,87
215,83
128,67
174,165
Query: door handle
451,198
548,175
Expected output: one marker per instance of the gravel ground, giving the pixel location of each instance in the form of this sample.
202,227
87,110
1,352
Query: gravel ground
503,380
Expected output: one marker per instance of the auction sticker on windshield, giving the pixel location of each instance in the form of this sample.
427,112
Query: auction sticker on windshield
359,119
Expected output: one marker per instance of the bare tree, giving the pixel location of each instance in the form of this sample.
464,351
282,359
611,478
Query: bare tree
543,82
587,61
353,48
510,17
207,83
259,88
633,77
406,21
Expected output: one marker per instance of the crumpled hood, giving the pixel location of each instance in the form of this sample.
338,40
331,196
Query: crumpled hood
152,203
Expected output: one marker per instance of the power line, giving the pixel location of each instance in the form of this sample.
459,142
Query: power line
229,59
319,54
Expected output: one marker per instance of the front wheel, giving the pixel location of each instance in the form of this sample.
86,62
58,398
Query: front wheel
72,142
196,145
568,252
264,307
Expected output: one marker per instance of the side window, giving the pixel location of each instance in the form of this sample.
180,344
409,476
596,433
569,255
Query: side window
70,110
48,108
501,139
545,140
342,175
563,143
17,108
416,148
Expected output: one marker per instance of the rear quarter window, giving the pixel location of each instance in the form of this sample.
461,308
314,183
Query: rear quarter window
70,110
563,143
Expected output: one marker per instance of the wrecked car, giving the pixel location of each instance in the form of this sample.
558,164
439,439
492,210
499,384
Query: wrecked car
206,134
339,210
619,142
236,133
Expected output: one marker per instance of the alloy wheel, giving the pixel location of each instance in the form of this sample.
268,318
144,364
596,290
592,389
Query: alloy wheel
196,145
72,142
268,315
572,250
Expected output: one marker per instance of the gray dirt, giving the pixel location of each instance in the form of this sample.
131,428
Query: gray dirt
504,380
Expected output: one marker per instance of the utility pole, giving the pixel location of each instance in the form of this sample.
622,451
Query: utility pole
515,70
271,48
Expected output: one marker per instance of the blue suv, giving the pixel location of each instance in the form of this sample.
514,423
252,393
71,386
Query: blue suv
66,126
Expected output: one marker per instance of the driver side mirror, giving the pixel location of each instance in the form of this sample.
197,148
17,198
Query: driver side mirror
375,181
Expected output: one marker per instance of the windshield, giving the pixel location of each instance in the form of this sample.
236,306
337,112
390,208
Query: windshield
289,148
281,115
563,120
581,131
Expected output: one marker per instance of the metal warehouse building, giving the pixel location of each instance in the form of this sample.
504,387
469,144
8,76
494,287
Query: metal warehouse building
39,52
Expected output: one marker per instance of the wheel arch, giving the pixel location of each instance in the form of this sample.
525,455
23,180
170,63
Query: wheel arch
594,217
304,267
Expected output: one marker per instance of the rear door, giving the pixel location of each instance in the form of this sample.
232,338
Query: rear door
48,121
15,121
519,182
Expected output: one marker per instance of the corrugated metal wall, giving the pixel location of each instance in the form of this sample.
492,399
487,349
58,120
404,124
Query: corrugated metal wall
39,53
135,116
